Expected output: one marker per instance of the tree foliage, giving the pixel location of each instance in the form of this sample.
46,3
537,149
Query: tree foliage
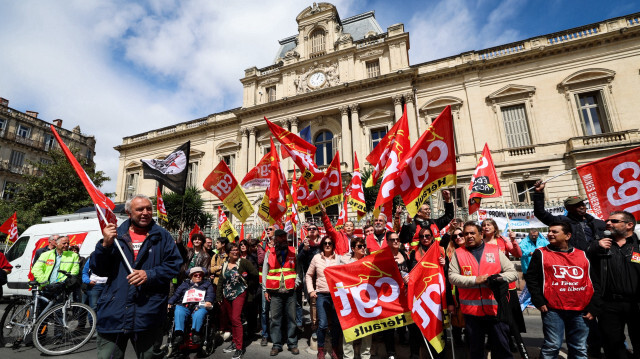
53,189
193,211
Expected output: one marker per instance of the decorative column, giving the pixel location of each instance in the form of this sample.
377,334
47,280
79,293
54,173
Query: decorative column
252,147
397,105
294,125
411,117
347,152
356,133
244,161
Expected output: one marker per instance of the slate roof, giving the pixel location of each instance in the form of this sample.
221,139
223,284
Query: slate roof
358,26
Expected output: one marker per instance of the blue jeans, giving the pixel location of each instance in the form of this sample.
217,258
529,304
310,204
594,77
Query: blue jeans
90,297
325,307
264,316
283,304
197,317
558,323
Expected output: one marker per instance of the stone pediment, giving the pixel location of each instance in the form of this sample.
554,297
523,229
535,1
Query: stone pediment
193,154
441,102
377,113
511,90
587,75
135,165
315,9
228,145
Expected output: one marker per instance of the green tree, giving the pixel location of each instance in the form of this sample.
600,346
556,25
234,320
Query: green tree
193,211
54,188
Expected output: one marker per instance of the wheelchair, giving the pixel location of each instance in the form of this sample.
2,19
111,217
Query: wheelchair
182,350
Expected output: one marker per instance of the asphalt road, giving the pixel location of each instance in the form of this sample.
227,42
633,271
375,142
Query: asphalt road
532,339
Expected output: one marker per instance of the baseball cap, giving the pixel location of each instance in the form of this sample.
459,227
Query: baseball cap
280,232
195,270
573,200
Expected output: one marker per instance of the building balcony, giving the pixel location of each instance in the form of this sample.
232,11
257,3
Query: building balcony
12,136
611,139
18,170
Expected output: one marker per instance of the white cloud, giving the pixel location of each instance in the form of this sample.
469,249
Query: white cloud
450,27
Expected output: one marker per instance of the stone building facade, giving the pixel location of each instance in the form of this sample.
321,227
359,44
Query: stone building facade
543,105
24,137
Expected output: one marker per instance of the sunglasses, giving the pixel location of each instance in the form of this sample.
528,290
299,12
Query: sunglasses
394,239
330,244
197,275
269,229
313,229
615,221
361,246
455,236
425,236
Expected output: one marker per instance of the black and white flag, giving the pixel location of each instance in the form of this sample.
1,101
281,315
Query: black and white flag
170,172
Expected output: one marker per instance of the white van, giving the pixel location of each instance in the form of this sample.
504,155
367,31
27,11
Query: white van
21,252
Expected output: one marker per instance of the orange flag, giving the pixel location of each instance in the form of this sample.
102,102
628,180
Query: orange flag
484,182
427,298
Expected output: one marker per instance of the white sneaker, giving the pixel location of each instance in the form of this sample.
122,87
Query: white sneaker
226,336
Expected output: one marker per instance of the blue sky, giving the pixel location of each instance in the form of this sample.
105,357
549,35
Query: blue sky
117,68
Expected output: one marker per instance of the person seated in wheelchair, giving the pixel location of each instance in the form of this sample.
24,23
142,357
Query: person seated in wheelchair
194,296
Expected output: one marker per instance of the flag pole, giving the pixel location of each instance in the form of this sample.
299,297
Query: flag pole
124,258
453,344
547,180
427,343
504,205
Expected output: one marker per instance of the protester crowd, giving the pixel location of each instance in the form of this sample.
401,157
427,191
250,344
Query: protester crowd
583,277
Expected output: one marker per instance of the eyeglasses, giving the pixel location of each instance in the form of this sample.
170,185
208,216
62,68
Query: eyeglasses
394,239
313,229
328,243
269,229
197,275
613,220
454,236
425,236
361,246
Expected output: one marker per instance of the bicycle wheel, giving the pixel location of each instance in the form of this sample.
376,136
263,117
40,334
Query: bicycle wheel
63,329
16,322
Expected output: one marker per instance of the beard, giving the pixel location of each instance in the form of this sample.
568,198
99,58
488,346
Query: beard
618,233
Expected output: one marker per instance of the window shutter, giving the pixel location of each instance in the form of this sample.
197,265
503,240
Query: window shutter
516,126
606,124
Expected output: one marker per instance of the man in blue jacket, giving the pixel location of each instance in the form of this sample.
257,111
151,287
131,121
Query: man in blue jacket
133,306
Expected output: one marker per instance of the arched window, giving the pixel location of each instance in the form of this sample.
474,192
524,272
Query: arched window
317,41
324,148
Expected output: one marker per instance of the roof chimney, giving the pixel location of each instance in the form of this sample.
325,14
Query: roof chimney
57,122
32,113
4,102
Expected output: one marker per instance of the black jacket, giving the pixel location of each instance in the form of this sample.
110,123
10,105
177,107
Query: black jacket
409,229
578,238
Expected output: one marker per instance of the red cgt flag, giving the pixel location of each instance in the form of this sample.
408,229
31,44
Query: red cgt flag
104,206
162,211
368,295
427,298
10,227
381,154
355,192
330,191
259,175
484,182
391,176
429,165
611,183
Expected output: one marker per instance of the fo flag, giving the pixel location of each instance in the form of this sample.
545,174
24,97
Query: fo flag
10,227
484,182
430,164
330,191
259,175
225,227
104,206
221,183
427,298
355,191
160,209
368,295
612,183
172,171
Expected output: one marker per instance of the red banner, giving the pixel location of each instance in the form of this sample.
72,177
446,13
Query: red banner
355,191
427,298
77,239
342,217
613,183
259,175
381,154
10,227
330,191
224,185
162,211
484,182
369,295
391,177
429,165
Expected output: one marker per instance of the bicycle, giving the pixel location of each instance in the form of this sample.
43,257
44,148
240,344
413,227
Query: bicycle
58,329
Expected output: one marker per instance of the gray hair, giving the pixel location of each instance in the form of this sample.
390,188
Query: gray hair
53,237
382,215
127,205
61,237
